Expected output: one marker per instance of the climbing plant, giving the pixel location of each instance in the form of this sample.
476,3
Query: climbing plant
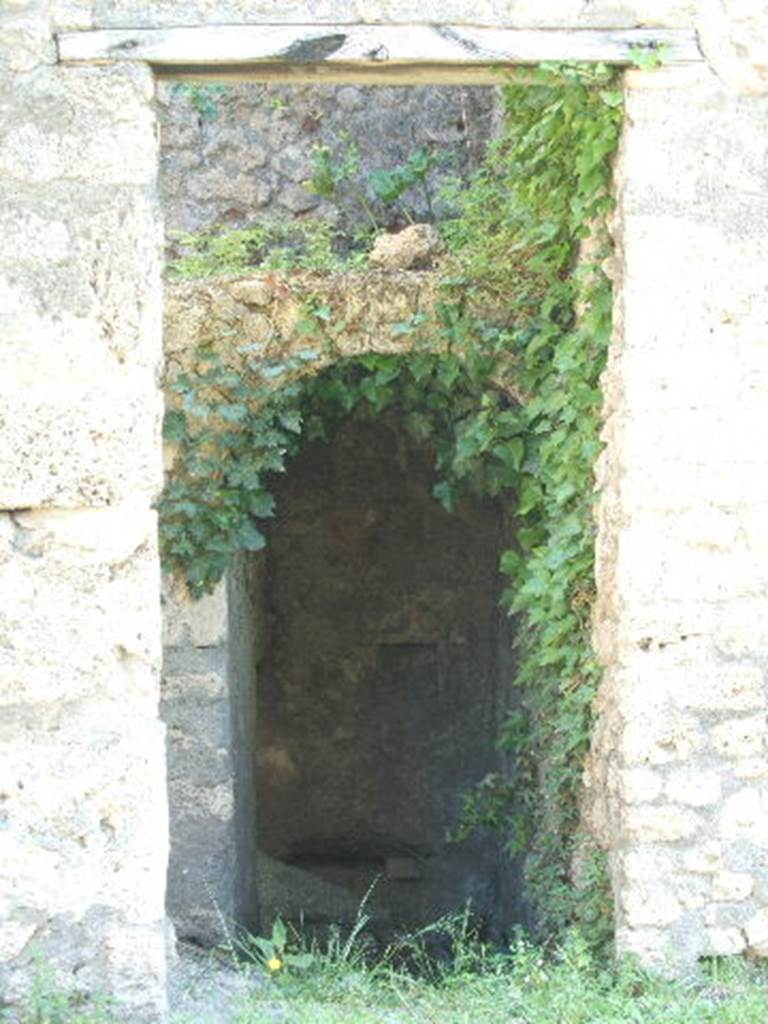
509,400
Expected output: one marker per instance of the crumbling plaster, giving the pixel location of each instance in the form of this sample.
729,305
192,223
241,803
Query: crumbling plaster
679,772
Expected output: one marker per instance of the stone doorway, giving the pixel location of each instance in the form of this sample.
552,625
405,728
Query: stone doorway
329,708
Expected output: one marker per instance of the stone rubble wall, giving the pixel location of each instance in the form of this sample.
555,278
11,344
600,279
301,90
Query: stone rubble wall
83,845
247,158
265,309
679,770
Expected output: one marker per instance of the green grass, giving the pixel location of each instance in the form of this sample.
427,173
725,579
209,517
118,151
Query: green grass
475,984
346,981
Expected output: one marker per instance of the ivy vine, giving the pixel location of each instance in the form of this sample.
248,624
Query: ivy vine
510,404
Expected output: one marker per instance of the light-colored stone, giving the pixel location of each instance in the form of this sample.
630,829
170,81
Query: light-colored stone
641,785
412,248
524,13
647,863
653,905
85,610
756,930
201,623
692,786
745,814
662,823
93,125
193,685
685,425
725,941
734,38
732,885
705,858
660,736
743,738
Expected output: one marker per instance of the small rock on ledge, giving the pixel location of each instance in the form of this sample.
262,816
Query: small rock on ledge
413,247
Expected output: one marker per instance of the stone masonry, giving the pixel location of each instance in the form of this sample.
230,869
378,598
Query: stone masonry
247,158
83,843
681,758
678,779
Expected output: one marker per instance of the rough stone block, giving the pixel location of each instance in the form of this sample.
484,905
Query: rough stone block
645,862
26,41
732,885
74,308
745,814
663,823
756,930
725,941
90,124
651,906
201,623
85,804
640,785
79,447
743,738
85,619
524,14
734,39
208,686
694,787
705,857
660,736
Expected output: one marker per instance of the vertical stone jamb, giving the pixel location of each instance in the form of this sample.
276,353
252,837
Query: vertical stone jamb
82,794
679,771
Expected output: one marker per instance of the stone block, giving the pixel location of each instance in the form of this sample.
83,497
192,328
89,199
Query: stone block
745,815
650,906
201,623
524,14
756,930
741,627
646,862
90,124
640,785
704,858
81,446
732,885
743,738
662,823
26,41
199,686
681,571
734,40
660,736
724,942
84,803
76,309
84,622
694,787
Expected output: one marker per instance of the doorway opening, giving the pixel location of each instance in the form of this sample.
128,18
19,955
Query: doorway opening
383,683
351,688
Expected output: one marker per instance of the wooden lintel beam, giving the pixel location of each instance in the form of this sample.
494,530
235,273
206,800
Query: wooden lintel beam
414,73
366,50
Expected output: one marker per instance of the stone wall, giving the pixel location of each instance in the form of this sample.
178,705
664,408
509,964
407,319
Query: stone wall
244,154
680,764
82,796
681,537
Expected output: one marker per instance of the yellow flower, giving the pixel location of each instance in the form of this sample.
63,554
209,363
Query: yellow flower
273,964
